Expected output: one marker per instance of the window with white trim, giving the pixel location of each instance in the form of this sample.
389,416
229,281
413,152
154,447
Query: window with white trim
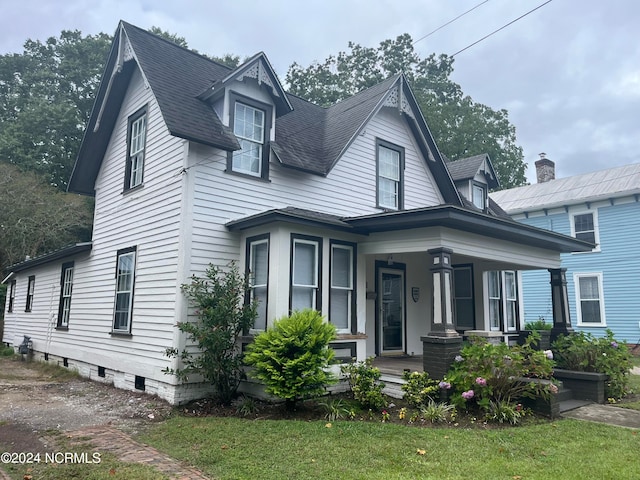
390,159
136,145
341,295
589,299
125,279
479,196
12,296
584,226
31,286
258,253
503,307
305,273
66,285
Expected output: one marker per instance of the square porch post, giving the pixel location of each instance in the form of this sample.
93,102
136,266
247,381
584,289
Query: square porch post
443,343
560,303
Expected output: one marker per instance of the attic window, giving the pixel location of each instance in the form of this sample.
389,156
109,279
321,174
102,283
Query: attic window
250,120
479,196
136,143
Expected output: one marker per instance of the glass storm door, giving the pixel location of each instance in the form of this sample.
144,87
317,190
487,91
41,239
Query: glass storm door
391,311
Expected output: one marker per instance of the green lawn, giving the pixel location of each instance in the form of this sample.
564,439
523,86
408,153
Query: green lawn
231,448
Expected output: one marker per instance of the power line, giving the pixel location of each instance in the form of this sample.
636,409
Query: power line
501,28
449,22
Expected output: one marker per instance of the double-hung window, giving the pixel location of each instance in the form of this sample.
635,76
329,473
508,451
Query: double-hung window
251,122
342,298
584,226
503,300
463,297
305,272
31,285
66,285
136,144
479,196
125,277
12,296
589,299
390,159
258,263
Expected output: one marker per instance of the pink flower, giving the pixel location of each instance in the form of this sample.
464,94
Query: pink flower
481,381
468,394
553,388
444,385
549,354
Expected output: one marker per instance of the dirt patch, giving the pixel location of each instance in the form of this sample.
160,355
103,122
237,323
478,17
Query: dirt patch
34,402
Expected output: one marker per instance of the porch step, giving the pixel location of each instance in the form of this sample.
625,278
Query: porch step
571,404
564,394
393,385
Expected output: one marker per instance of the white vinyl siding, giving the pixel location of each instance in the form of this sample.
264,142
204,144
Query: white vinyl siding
341,294
258,279
589,299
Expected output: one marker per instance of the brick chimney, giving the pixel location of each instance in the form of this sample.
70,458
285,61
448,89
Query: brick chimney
545,169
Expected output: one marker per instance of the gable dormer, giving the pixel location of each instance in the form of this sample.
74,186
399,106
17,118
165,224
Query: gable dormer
248,100
474,177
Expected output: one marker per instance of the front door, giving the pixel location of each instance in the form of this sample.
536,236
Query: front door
391,311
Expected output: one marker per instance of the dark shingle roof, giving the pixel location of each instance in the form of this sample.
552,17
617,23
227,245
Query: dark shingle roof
467,168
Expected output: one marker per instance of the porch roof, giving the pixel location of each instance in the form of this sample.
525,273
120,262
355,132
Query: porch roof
62,253
458,218
450,216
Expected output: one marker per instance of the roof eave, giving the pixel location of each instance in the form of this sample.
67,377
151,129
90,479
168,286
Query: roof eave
65,252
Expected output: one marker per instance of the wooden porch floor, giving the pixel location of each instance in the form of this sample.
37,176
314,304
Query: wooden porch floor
395,366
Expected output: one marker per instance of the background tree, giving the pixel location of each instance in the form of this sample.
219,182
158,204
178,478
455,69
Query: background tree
460,126
36,218
46,96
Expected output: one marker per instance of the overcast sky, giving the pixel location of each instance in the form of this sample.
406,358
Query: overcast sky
568,73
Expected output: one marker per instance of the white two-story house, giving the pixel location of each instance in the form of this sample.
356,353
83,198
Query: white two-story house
349,210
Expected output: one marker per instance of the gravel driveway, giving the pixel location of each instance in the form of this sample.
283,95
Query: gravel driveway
33,402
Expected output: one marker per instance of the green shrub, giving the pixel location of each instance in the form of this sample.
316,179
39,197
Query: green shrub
485,373
222,316
505,412
585,353
6,351
292,357
335,409
436,412
364,380
419,388
539,324
246,406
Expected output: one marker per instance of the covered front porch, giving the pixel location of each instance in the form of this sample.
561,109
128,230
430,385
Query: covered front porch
433,277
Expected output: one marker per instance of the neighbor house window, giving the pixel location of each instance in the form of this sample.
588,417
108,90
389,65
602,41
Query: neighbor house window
305,273
66,284
30,289
250,121
589,299
258,263
136,141
479,196
502,288
342,299
584,226
12,296
390,175
125,272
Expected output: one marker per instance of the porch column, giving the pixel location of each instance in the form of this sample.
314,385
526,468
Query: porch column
443,343
560,303
442,305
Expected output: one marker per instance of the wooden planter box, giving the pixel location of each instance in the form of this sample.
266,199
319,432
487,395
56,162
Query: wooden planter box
543,344
583,385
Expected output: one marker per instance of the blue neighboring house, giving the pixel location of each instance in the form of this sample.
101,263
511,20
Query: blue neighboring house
600,207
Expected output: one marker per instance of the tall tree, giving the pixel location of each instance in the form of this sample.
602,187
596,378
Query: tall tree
36,217
460,126
46,96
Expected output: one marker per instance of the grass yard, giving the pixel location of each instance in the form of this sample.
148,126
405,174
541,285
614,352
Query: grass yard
264,449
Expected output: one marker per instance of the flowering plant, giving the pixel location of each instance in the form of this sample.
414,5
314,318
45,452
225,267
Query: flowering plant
419,388
489,373
585,353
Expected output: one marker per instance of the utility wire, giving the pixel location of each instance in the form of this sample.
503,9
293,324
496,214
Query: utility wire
501,28
449,22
